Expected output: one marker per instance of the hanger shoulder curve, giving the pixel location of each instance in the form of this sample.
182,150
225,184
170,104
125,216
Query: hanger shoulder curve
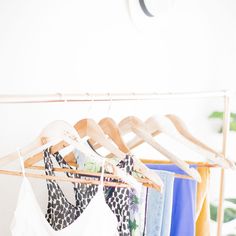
138,127
211,154
88,127
54,130
110,128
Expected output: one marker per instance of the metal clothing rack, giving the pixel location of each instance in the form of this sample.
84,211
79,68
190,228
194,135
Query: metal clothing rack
100,97
87,97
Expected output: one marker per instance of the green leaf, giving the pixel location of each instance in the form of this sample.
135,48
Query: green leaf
233,116
217,114
135,199
220,115
233,200
229,213
213,212
233,125
133,225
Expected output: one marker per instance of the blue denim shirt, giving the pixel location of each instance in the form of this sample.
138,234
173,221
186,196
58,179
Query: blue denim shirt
183,205
159,207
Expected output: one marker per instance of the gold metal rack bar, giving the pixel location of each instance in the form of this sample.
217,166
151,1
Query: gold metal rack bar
87,97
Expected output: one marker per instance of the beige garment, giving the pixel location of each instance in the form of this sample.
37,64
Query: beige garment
203,206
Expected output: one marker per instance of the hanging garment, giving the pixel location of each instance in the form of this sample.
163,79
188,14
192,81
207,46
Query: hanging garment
122,201
203,206
96,219
60,212
130,221
119,199
159,207
142,210
184,202
83,192
136,214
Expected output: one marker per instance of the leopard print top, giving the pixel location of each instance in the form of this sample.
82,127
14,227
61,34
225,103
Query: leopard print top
118,199
60,212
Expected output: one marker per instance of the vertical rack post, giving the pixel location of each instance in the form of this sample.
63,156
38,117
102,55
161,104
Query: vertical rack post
226,126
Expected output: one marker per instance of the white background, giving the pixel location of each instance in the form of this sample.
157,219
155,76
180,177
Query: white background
105,46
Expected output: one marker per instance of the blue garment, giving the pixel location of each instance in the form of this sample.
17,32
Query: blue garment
159,207
184,201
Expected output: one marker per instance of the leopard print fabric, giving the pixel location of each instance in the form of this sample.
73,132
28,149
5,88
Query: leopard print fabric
60,212
83,192
117,198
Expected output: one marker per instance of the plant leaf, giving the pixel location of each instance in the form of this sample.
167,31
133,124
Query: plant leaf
233,125
233,116
217,114
229,213
213,212
233,200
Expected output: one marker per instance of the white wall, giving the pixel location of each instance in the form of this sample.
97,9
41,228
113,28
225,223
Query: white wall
94,46
88,46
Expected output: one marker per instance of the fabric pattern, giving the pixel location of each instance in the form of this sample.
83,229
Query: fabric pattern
142,210
29,220
118,199
83,192
60,212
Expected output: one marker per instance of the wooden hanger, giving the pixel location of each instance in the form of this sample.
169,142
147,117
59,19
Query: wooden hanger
212,155
110,128
67,179
161,124
89,127
135,125
144,181
65,134
56,129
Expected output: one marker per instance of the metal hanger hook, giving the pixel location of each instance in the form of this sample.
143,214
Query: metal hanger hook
90,104
135,101
62,97
110,104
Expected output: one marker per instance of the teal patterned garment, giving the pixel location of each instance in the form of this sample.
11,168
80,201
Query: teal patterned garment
134,210
135,224
117,198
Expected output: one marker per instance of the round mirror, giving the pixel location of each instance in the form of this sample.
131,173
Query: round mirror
152,8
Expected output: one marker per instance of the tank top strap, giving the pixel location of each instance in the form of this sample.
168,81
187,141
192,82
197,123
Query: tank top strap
21,162
48,162
102,174
63,164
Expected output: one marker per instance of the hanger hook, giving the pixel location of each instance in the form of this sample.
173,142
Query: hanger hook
62,97
110,104
134,102
91,103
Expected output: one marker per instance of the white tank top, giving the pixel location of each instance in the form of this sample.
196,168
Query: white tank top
29,220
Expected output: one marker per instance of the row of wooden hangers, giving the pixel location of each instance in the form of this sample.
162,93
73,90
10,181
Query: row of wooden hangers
108,134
